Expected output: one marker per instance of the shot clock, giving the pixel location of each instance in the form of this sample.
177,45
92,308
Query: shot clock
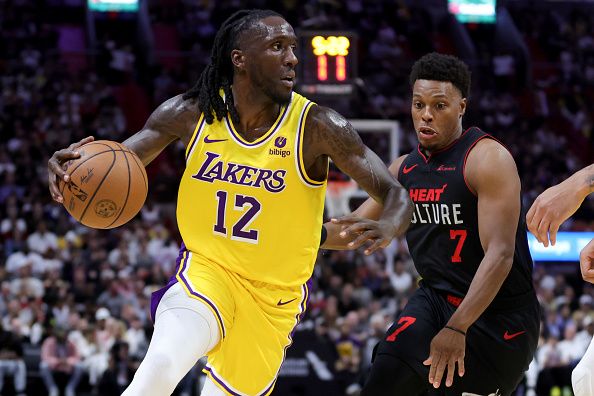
327,62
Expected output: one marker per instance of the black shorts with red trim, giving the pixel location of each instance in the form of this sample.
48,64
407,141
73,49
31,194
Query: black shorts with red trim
499,345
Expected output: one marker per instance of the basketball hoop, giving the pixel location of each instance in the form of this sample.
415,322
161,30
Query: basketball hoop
338,195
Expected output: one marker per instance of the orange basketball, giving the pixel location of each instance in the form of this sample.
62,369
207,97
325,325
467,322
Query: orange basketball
108,185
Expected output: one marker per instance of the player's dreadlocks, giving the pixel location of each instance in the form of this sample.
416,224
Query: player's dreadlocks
219,72
440,67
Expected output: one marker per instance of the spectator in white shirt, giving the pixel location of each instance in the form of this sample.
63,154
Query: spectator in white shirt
12,222
25,284
136,339
400,279
569,349
23,257
42,240
584,337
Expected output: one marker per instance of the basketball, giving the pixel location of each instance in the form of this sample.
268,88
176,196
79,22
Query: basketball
108,185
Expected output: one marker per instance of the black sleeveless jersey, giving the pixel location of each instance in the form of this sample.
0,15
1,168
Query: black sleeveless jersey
443,238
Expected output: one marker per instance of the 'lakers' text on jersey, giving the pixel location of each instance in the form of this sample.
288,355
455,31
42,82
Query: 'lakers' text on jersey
444,236
250,206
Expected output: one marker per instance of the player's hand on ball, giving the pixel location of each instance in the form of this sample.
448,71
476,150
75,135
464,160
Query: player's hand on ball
378,234
103,184
447,349
587,262
55,166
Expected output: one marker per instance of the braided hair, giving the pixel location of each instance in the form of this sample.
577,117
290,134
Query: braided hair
219,72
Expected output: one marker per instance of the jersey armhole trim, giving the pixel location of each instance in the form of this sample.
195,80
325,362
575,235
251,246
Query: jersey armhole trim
299,150
486,136
195,135
399,173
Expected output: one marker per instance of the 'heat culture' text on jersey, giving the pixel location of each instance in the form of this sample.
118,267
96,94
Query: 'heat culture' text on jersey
250,206
444,237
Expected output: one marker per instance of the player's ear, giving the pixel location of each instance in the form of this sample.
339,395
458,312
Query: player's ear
238,58
462,108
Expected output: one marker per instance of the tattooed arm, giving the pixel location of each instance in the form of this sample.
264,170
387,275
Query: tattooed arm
173,119
328,134
369,212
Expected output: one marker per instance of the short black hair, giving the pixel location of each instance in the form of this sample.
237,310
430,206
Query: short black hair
218,74
441,67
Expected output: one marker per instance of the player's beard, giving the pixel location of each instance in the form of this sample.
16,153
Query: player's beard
279,97
274,91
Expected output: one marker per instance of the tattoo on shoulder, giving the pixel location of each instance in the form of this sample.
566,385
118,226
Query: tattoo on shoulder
176,116
333,130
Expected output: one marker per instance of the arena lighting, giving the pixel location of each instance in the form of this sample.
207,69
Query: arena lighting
473,11
567,247
113,5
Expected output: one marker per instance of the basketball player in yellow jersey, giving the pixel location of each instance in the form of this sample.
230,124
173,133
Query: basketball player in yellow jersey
257,157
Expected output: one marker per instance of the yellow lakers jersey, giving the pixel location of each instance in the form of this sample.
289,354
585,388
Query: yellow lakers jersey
250,206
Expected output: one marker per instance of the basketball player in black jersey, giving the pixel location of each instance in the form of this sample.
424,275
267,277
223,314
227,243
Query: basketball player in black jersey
472,326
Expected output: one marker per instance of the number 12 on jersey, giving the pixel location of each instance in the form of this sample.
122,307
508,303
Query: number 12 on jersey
244,203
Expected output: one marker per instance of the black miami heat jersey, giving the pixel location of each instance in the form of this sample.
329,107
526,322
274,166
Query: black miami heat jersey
444,236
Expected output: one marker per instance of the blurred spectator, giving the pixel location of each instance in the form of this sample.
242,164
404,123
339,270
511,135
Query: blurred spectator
347,301
11,361
583,337
569,349
42,240
348,347
13,230
400,279
25,284
150,213
112,298
379,323
585,308
9,187
59,357
22,257
119,372
136,339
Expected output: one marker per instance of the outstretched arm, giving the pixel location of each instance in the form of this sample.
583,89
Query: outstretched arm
338,238
556,204
173,119
331,135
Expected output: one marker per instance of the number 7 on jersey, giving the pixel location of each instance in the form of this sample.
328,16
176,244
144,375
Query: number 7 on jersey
456,258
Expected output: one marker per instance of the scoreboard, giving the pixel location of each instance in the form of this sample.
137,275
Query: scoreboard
327,62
